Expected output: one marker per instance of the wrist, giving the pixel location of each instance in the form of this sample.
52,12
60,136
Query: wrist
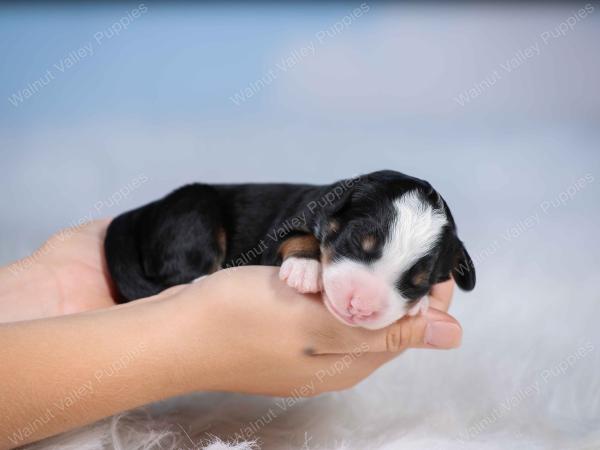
160,327
200,356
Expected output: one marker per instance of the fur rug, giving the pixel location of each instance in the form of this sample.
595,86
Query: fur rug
527,377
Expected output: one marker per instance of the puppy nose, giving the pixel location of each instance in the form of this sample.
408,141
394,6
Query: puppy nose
360,307
355,292
365,296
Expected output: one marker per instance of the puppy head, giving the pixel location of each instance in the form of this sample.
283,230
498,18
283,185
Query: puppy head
385,242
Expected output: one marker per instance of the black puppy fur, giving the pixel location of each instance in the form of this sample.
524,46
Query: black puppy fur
201,228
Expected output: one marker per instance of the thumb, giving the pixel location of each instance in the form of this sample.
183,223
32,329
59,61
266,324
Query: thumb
435,329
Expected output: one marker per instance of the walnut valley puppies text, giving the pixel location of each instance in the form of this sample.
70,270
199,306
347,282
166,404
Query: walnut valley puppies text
523,55
78,54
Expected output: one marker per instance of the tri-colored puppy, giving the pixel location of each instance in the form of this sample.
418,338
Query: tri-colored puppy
374,245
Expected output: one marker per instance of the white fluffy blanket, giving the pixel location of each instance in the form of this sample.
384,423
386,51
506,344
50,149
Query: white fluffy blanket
527,377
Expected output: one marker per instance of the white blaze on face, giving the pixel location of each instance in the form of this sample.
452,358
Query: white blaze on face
365,294
414,231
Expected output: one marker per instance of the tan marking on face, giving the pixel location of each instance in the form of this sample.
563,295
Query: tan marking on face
368,243
420,279
304,245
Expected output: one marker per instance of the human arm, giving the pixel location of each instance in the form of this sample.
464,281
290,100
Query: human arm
239,331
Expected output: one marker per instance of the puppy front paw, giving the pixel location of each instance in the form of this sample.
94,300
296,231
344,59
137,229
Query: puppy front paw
303,274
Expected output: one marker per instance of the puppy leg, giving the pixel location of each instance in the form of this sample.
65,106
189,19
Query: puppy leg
301,268
182,236
303,274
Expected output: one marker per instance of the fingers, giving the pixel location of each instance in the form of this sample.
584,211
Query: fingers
104,221
100,225
94,227
344,371
436,329
441,295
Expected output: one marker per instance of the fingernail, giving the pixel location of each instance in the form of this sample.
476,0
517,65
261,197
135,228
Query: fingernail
443,334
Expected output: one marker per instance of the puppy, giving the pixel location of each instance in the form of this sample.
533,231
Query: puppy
374,245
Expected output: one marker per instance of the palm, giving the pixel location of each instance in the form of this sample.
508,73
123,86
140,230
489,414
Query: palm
75,258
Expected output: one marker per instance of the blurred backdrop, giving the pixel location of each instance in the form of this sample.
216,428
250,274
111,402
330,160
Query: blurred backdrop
107,106
94,95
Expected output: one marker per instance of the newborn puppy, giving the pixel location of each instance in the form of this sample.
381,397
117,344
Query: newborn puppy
374,245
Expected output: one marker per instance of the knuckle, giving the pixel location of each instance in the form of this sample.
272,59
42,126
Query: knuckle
395,338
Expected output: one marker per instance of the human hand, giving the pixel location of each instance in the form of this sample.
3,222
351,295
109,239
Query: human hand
66,275
243,330
239,330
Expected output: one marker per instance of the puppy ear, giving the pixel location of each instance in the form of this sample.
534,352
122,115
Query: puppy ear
330,206
339,196
463,271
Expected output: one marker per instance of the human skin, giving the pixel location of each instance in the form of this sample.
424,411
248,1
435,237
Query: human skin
70,356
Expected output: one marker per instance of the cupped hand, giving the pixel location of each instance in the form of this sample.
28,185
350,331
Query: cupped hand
76,258
247,330
238,330
66,275
244,330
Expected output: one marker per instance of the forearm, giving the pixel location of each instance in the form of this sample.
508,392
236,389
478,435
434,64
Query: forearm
64,372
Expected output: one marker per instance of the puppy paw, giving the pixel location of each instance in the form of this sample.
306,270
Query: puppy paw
420,307
303,274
